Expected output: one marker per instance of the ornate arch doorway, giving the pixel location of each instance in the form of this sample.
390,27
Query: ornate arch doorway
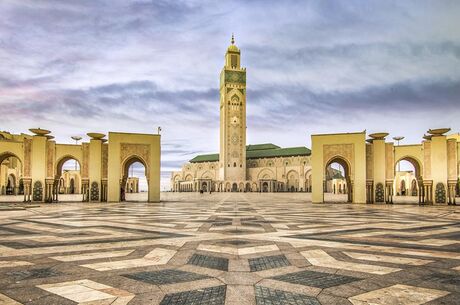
338,175
10,173
67,181
408,181
135,167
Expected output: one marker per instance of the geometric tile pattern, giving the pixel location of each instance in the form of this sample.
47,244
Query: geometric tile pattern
267,296
315,279
148,253
211,262
167,276
207,296
268,262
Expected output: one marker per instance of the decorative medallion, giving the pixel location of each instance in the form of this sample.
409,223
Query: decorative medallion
94,191
440,194
379,193
37,191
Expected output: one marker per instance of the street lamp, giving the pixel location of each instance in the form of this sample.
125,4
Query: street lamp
76,138
397,139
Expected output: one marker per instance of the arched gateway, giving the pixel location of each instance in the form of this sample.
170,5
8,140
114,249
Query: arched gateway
102,166
371,166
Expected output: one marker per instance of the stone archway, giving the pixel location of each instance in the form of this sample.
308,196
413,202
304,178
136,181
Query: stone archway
342,161
10,186
292,181
420,190
126,164
71,187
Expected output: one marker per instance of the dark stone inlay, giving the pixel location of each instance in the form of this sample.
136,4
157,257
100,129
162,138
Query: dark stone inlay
315,279
207,296
211,262
267,296
167,276
236,242
33,274
268,262
444,278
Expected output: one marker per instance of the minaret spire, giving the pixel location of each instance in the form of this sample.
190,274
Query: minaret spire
233,39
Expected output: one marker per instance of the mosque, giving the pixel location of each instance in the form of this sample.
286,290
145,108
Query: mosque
368,166
240,167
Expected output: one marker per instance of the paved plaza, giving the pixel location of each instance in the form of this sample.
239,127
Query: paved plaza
229,248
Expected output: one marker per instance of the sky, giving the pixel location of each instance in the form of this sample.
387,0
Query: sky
312,67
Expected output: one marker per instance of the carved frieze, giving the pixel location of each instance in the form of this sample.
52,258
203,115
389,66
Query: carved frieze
27,157
105,160
85,167
427,160
50,153
128,150
369,162
345,151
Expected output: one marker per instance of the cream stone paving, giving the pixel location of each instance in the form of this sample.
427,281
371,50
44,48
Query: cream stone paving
398,295
10,264
85,291
322,259
89,256
387,259
156,257
225,245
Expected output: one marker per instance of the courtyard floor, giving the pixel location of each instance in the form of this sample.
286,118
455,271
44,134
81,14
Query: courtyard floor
229,248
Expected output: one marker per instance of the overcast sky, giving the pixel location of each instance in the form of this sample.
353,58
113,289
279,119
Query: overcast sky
312,67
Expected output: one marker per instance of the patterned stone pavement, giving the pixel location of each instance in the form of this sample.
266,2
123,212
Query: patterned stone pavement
229,249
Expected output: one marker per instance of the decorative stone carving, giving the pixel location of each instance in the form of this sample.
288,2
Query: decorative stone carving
105,160
85,167
345,151
440,193
27,157
50,149
427,160
369,161
235,77
379,193
94,191
37,194
140,150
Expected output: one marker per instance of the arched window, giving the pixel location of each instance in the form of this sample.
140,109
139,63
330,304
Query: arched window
234,164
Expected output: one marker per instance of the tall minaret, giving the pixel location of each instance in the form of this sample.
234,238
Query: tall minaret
232,157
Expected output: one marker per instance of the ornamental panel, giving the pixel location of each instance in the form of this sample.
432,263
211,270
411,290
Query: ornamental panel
37,193
440,195
235,77
27,157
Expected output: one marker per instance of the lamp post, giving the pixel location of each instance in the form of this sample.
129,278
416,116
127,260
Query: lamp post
76,138
397,139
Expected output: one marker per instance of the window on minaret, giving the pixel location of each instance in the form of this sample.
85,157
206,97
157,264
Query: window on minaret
234,61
